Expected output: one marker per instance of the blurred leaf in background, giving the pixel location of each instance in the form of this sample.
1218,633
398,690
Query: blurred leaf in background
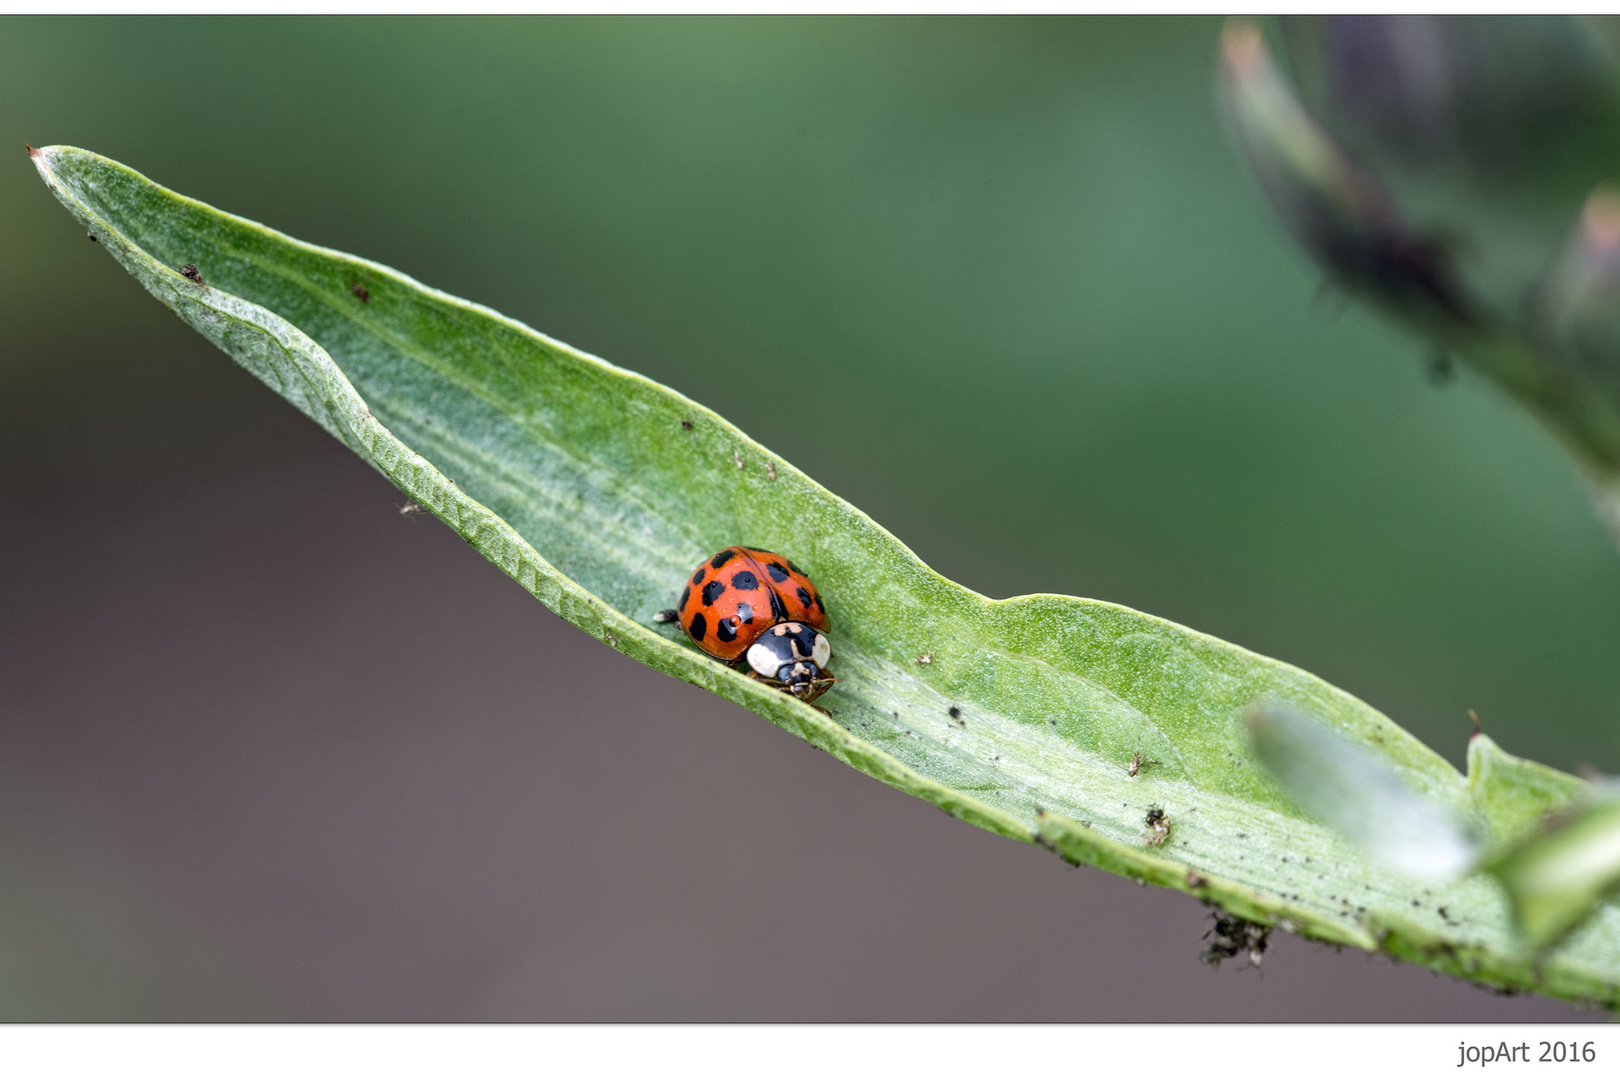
1554,879
1047,335
1362,796
1437,166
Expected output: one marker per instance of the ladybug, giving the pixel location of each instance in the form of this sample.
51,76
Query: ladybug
750,604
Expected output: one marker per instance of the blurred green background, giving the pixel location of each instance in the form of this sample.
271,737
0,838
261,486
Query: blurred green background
1042,327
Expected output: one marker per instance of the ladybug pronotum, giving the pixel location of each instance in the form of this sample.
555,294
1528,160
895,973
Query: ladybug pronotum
750,605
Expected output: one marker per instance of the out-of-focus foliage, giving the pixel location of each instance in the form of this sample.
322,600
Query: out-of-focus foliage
1438,166
1363,796
1556,877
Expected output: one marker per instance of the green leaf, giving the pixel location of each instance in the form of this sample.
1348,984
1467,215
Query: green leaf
1515,797
1044,718
1557,876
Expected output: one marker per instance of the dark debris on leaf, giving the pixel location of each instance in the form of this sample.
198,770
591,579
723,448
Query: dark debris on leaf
1158,823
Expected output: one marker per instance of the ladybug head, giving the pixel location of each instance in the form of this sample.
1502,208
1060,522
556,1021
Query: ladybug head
792,654
801,680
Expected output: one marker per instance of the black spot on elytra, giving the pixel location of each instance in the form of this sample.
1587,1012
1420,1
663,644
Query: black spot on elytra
721,559
778,611
712,591
686,594
697,578
804,596
699,627
777,571
744,581
726,629
745,613
818,604
795,569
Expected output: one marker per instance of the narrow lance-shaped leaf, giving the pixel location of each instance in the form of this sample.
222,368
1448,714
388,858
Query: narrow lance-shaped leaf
1113,737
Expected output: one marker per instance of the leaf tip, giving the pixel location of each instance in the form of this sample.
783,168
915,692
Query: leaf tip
32,152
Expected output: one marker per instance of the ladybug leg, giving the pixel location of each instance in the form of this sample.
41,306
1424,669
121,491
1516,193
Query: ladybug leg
817,688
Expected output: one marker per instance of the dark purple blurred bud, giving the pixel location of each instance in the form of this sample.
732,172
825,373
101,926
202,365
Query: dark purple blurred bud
1336,209
1435,167
1487,130
1497,102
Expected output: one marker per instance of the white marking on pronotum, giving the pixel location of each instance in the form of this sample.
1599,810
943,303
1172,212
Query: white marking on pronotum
762,660
822,651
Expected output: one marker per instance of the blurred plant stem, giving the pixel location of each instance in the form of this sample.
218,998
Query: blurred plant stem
1451,172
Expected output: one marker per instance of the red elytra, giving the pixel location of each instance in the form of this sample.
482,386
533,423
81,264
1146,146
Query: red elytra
740,592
